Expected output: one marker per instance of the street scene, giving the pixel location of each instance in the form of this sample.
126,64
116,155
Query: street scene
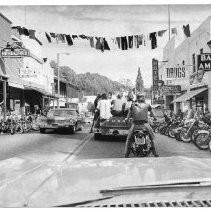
105,105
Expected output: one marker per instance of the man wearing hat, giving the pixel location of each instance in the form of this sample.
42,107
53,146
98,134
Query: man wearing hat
139,113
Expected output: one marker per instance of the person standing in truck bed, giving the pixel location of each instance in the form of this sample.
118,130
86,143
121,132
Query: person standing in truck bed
117,106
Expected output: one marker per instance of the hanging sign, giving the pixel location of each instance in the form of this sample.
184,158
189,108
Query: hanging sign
155,77
170,89
158,101
28,73
14,52
204,62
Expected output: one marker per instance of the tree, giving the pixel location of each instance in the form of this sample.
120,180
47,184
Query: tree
139,82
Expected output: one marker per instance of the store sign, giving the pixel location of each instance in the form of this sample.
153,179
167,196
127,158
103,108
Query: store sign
204,62
28,73
155,77
170,89
196,77
176,72
14,52
158,101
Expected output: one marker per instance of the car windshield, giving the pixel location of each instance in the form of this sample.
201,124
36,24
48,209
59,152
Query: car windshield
62,113
103,97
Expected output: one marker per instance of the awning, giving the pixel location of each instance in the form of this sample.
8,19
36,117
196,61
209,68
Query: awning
16,85
187,96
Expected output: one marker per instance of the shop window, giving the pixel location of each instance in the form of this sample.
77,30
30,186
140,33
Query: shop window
201,51
194,62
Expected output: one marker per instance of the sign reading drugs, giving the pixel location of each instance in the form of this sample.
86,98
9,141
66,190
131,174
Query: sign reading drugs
204,62
14,52
155,77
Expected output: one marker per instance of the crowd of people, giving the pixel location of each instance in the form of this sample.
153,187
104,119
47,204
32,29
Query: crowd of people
105,106
190,114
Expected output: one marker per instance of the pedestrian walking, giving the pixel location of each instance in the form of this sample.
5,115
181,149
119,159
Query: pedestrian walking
96,112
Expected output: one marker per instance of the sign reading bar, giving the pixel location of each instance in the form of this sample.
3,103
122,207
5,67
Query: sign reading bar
14,52
204,62
170,89
155,77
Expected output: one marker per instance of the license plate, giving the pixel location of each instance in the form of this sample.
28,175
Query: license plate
140,141
204,131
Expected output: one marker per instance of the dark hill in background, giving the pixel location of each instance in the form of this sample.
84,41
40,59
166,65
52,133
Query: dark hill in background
91,84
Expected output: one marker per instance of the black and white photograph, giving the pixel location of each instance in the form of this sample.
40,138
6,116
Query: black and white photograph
105,104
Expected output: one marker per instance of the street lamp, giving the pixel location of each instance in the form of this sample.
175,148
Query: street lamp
58,76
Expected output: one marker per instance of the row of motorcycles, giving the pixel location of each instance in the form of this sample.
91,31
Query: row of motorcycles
14,124
196,130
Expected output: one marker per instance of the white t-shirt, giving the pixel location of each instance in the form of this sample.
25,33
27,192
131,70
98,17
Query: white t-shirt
105,109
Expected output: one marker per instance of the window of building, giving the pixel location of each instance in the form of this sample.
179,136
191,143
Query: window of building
183,62
201,50
194,62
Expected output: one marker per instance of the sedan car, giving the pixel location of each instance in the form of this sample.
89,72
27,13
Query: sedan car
61,118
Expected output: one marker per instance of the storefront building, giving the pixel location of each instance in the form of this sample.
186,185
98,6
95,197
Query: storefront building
182,67
22,75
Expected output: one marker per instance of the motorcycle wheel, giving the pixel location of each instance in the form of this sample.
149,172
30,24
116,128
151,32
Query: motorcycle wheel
171,133
202,141
35,126
12,131
184,136
27,127
194,134
162,130
167,131
156,129
19,129
210,146
177,136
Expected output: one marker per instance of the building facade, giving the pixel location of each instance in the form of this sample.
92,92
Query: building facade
180,68
22,77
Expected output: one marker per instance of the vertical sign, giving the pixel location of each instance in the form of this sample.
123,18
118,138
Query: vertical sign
155,74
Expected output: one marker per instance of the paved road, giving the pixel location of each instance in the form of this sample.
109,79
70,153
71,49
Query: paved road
52,146
165,146
62,146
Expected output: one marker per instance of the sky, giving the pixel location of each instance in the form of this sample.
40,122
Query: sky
108,21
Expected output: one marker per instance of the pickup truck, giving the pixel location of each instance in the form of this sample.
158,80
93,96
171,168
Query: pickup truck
114,126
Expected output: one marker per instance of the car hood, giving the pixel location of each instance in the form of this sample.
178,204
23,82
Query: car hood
34,184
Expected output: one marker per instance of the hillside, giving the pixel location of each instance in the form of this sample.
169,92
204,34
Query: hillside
91,84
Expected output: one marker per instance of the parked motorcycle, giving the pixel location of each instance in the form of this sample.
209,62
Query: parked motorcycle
141,144
202,140
187,130
174,124
177,131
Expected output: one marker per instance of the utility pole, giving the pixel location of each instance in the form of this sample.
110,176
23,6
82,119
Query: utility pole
25,14
58,80
169,22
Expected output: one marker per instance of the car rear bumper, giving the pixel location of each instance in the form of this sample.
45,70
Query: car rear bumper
111,132
56,126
